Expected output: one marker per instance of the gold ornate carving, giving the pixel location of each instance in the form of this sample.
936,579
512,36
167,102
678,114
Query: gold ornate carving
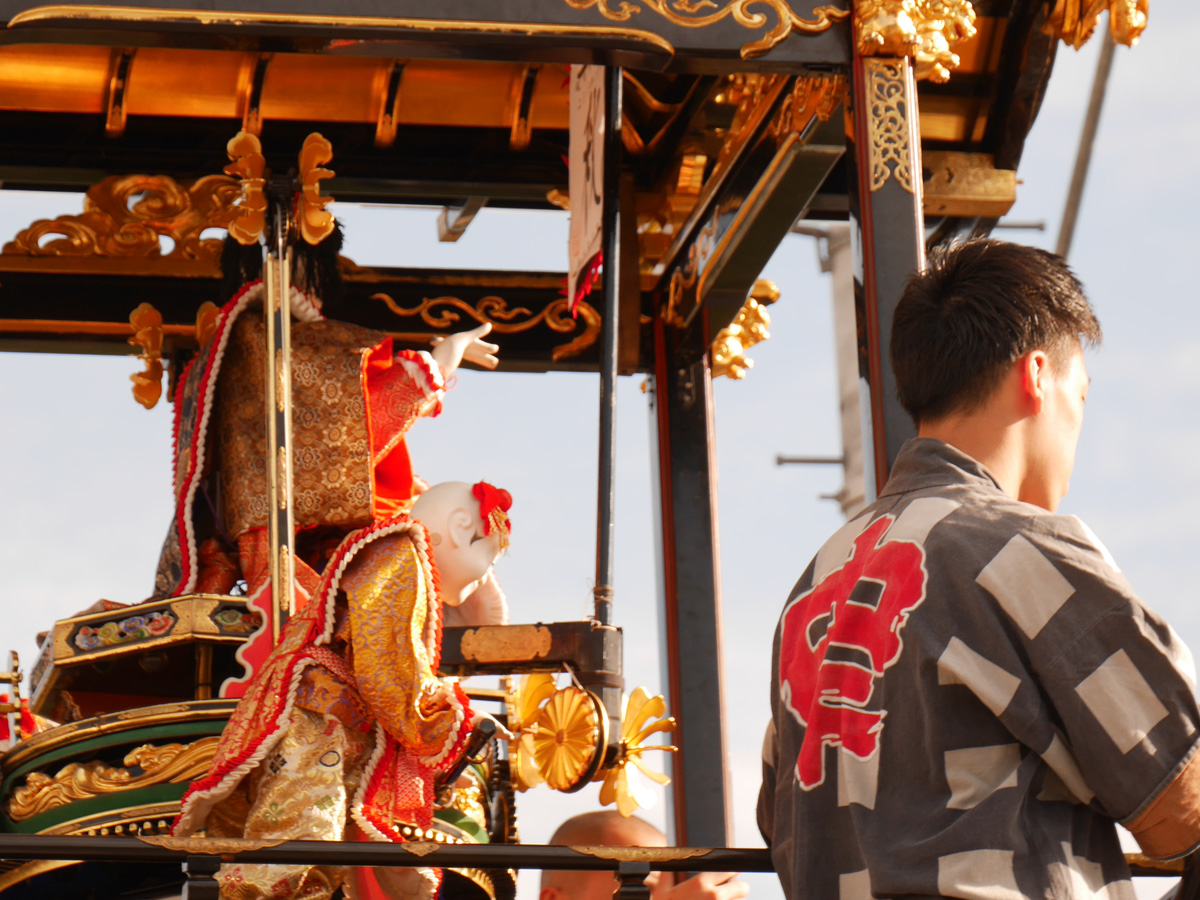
170,763
125,215
506,643
209,846
315,223
206,322
816,95
1074,20
641,717
495,311
643,854
523,702
692,14
887,117
926,30
247,165
749,327
147,325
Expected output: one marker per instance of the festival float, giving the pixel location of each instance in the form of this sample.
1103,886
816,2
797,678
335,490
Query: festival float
686,140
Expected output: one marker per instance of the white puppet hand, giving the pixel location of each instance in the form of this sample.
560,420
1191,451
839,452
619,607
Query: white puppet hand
502,733
451,350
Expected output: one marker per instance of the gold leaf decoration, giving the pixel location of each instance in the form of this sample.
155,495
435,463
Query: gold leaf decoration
206,322
170,763
124,216
247,165
147,325
440,313
641,717
926,30
642,854
888,122
1074,21
315,223
209,846
694,14
749,327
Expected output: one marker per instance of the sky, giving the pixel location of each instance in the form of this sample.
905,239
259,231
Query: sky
85,480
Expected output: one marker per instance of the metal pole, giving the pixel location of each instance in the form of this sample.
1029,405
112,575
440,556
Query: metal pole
1084,157
608,352
277,309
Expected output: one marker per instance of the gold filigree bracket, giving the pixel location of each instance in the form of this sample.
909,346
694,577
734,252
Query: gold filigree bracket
209,846
887,123
749,327
777,24
926,30
642,854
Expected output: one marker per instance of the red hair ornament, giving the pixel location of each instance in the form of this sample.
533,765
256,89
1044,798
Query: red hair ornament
494,504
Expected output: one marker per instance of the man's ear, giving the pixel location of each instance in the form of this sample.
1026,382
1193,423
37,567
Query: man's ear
549,892
460,525
1035,366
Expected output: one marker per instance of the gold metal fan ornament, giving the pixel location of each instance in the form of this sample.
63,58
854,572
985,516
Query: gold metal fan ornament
641,717
560,734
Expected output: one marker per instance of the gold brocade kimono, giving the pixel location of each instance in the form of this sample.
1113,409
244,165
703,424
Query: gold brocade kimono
343,730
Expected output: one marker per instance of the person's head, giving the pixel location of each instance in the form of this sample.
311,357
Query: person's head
604,828
991,335
468,529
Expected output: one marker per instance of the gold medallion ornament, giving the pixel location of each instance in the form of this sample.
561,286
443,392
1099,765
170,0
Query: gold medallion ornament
560,734
926,30
641,717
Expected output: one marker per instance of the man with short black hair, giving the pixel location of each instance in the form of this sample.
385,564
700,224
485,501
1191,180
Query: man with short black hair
966,694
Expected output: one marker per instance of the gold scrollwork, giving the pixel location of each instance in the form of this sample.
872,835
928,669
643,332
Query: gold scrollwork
691,14
419,848
124,216
926,30
817,95
439,312
170,763
887,115
1074,20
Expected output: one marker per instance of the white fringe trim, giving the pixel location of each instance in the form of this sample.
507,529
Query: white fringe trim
431,381
356,805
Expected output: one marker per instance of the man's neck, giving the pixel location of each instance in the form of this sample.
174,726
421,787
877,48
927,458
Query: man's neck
1000,449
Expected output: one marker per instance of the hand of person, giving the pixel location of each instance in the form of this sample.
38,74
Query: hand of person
502,733
704,886
451,350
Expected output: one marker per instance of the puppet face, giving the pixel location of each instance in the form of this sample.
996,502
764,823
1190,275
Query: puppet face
463,550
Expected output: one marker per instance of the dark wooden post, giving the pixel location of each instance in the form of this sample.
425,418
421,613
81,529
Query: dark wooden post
887,232
690,590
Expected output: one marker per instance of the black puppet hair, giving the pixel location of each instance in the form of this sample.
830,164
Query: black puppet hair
314,268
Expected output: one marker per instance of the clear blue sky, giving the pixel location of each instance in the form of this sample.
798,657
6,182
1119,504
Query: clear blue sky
85,472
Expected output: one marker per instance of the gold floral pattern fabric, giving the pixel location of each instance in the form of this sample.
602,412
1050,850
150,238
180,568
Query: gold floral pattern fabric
302,791
332,480
389,614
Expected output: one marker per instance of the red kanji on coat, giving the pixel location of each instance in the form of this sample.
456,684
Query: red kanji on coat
839,637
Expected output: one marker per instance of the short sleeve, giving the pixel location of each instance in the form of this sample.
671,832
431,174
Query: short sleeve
1120,680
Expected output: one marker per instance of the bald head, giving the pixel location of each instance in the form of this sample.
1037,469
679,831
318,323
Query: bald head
603,828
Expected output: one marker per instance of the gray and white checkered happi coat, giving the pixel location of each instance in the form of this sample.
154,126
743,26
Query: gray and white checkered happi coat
966,696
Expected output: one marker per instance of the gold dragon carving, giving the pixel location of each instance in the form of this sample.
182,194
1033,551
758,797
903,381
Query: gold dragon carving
169,763
125,215
749,327
696,14
440,313
926,30
1074,20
